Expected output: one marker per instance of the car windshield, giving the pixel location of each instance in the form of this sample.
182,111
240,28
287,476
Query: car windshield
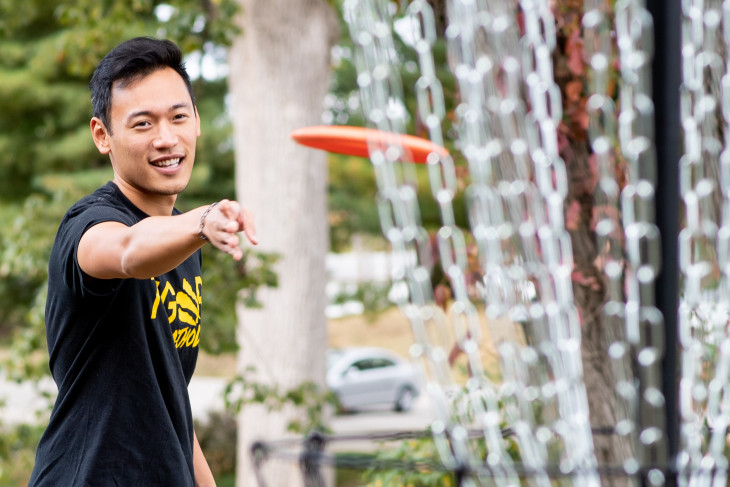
332,356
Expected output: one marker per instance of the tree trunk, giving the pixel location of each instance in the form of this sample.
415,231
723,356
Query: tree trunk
279,76
610,449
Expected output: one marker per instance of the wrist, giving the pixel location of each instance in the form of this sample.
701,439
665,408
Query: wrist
203,217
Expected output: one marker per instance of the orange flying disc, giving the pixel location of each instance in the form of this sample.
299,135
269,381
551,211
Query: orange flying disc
355,141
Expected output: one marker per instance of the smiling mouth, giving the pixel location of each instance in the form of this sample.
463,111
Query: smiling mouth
167,162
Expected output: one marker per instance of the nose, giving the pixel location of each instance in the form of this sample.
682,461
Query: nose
165,137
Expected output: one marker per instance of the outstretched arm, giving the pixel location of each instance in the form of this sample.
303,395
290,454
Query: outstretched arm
158,244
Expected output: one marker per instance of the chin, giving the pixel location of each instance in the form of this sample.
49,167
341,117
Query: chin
173,191
167,189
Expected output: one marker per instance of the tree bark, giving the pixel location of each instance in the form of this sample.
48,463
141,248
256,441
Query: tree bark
610,449
279,75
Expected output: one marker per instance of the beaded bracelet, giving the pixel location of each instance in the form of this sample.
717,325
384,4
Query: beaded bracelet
202,220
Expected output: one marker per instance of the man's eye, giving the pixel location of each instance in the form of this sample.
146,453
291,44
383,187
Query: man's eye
142,124
181,116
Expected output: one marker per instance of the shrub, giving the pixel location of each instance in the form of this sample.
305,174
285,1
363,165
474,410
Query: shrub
217,437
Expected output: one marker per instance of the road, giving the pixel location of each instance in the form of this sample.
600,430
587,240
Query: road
28,403
206,393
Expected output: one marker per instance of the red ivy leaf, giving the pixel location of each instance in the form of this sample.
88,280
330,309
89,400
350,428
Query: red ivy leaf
573,90
572,216
574,50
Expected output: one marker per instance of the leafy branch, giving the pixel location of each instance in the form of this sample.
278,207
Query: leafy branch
308,397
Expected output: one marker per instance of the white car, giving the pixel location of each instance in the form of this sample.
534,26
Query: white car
368,376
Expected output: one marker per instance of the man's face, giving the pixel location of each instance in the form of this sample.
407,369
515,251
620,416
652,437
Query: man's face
154,127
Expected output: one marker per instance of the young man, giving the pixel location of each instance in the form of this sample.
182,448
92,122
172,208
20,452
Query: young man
123,316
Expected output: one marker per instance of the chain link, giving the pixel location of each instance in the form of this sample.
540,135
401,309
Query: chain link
479,406
624,219
493,139
381,89
703,243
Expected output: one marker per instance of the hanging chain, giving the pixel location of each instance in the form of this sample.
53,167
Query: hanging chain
507,120
599,53
515,199
483,44
515,205
627,237
549,178
644,323
479,407
703,242
382,99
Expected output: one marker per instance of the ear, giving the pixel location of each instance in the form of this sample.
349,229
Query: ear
100,134
197,120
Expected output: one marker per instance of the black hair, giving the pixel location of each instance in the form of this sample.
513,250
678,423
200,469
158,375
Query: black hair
128,62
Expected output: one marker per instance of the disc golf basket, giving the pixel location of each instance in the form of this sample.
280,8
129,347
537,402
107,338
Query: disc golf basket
647,84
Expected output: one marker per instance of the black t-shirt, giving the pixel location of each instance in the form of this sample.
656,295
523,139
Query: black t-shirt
122,352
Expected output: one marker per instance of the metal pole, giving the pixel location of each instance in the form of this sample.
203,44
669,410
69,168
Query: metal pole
665,85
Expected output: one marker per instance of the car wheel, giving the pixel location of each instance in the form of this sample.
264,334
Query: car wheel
404,401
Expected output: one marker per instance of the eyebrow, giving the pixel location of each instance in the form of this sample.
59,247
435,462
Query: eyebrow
143,113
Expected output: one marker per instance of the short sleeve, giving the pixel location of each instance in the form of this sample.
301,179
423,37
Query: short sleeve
69,235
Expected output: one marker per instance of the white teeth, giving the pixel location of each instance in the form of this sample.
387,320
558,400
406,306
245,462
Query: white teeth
167,162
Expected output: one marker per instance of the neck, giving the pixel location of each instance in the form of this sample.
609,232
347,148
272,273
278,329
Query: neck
152,204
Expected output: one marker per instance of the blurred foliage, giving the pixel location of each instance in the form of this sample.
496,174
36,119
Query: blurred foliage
417,462
24,253
414,455
310,399
353,207
351,200
342,107
224,282
372,295
49,50
217,438
17,452
352,188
